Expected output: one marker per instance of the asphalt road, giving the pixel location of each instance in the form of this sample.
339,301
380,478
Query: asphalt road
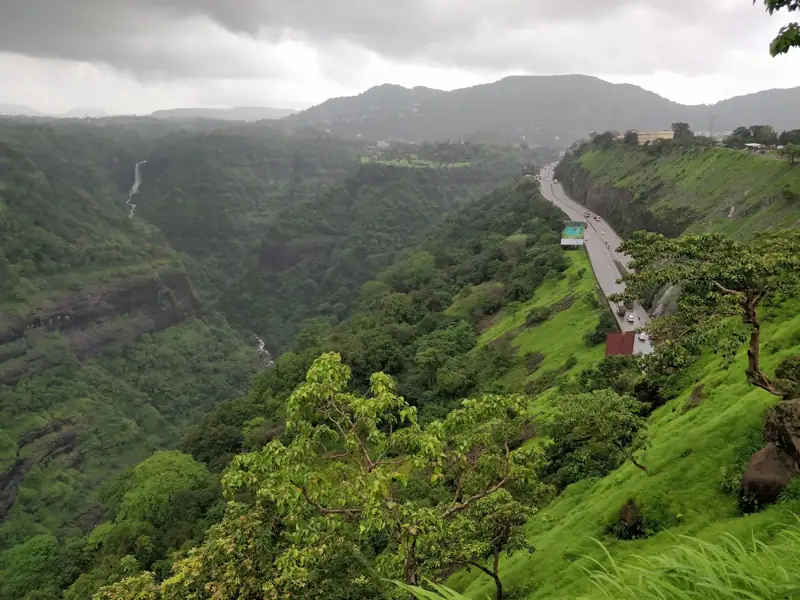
602,250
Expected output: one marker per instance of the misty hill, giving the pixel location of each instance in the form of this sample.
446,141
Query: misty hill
79,112
19,110
240,113
538,109
85,111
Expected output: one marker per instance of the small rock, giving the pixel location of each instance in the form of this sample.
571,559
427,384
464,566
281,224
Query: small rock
631,523
782,427
768,473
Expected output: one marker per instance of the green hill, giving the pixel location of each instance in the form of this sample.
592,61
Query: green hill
679,189
488,303
119,334
542,110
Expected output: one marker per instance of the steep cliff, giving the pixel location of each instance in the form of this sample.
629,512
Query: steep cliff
684,189
105,352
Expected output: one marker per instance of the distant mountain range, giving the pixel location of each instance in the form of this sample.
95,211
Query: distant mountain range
240,113
538,109
76,113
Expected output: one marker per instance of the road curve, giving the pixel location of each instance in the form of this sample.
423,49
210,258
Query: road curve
602,250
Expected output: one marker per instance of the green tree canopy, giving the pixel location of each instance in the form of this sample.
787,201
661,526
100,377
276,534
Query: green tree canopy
789,35
721,278
594,434
344,474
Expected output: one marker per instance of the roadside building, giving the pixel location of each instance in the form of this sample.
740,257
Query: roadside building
620,343
652,136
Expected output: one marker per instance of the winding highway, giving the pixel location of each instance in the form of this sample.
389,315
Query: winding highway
601,243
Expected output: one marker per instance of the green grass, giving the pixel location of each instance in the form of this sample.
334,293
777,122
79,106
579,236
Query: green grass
413,162
705,182
692,456
561,336
693,568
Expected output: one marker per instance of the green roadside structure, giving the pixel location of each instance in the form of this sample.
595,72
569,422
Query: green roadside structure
572,236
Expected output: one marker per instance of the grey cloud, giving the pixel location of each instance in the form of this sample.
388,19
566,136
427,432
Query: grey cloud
145,38
150,37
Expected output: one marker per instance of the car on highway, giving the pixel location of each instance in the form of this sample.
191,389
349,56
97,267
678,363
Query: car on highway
631,318
587,214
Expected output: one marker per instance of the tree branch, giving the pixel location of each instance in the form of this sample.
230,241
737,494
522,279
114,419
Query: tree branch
475,497
322,509
472,563
722,288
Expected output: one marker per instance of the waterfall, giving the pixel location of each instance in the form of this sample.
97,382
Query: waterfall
265,354
137,181
665,303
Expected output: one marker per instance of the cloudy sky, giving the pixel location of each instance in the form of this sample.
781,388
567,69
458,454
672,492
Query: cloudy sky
135,56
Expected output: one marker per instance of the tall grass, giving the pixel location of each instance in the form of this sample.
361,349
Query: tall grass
696,569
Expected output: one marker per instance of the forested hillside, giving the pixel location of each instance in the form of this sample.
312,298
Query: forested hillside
114,329
105,352
354,460
278,229
433,320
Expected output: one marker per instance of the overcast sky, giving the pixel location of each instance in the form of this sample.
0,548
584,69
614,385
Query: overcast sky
135,56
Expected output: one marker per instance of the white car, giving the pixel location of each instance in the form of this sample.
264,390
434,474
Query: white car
631,318
643,336
602,232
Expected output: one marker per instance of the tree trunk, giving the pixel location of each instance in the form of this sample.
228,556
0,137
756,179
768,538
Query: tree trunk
410,566
498,585
495,574
754,373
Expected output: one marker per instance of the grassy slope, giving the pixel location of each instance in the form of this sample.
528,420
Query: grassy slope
548,338
696,456
690,452
707,181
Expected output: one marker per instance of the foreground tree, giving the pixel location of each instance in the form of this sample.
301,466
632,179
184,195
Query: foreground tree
789,35
721,278
347,471
491,527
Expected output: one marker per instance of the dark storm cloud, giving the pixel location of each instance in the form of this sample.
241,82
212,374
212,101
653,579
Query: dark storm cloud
616,36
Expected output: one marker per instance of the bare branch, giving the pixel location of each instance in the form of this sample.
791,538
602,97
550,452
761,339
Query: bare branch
488,492
722,288
322,509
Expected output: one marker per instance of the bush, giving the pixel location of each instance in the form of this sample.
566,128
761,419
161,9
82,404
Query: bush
537,315
606,325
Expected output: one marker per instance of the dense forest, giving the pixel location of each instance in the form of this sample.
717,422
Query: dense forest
439,407
420,320
118,333
278,229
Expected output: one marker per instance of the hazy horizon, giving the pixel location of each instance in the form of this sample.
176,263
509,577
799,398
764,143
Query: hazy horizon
134,58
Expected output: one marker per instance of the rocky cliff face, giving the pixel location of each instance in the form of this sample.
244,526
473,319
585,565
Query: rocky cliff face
620,207
85,323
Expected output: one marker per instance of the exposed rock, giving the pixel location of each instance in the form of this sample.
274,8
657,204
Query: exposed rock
696,399
49,442
87,320
782,427
768,473
631,522
625,211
